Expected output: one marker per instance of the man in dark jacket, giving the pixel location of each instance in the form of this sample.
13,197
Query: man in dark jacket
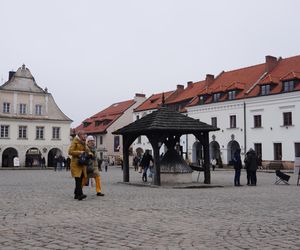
237,164
251,165
145,163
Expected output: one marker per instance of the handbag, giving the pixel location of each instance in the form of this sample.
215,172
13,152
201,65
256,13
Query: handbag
83,159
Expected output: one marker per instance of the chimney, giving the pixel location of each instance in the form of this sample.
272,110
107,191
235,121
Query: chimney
189,84
209,79
180,87
271,63
11,74
139,95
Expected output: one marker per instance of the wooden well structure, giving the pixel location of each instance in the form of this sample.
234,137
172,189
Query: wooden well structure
165,126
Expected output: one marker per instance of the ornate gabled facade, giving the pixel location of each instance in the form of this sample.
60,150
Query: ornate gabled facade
31,124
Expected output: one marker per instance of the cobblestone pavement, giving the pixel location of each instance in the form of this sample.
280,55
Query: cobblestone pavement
38,211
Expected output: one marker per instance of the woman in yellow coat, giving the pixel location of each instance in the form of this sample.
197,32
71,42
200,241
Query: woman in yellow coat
78,172
91,150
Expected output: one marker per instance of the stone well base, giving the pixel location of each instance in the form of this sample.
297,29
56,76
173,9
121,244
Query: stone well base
172,178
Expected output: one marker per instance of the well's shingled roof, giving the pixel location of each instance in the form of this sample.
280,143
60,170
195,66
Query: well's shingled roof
165,120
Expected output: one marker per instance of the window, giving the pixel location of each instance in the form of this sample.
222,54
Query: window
6,107
22,109
231,95
101,139
257,121
201,99
216,97
288,86
137,117
258,149
233,121
287,119
4,131
97,123
39,133
38,109
297,149
22,132
277,151
265,89
56,133
214,121
117,143
139,140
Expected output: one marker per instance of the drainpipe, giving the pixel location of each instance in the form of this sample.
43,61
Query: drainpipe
245,133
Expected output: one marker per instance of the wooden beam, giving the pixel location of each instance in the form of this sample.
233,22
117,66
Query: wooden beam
127,141
154,140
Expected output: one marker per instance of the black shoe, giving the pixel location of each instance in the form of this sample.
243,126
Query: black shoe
81,197
100,194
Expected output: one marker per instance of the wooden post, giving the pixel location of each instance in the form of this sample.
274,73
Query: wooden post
206,158
125,159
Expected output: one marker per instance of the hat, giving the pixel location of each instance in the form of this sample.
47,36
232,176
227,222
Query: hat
90,138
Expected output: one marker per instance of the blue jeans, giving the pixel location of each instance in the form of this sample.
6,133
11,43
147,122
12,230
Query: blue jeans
144,177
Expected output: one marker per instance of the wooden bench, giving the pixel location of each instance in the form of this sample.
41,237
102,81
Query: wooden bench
198,168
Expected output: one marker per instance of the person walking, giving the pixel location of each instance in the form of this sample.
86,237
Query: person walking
251,164
93,165
145,163
68,162
135,162
237,164
77,148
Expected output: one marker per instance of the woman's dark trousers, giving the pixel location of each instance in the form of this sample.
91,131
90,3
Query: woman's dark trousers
237,177
78,188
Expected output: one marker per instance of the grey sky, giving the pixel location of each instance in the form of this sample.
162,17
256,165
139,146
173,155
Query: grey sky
92,53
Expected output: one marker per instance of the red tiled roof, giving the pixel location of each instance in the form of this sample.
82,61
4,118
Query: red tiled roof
102,120
239,79
188,93
153,102
286,69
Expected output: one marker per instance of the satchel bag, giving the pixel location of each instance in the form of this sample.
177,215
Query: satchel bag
83,159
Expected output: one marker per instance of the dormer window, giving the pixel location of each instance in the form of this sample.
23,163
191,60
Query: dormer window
85,124
231,95
288,86
216,97
201,99
97,123
265,89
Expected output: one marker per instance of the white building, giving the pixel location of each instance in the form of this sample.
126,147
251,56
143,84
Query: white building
31,124
254,107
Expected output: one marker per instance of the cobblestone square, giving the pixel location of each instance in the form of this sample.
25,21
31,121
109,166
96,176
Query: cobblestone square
38,211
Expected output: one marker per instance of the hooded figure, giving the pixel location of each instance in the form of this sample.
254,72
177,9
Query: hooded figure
251,164
237,164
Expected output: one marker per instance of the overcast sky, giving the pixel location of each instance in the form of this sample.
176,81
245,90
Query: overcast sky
93,53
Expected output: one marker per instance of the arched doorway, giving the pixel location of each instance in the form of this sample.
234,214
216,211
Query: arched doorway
214,150
51,156
33,157
197,155
231,148
8,157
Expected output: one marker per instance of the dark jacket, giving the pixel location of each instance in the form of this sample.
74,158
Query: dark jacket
237,162
145,162
251,161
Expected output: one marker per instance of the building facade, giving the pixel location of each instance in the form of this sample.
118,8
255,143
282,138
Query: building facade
32,126
102,124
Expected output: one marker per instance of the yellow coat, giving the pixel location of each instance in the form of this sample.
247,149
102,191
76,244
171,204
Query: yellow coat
76,148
